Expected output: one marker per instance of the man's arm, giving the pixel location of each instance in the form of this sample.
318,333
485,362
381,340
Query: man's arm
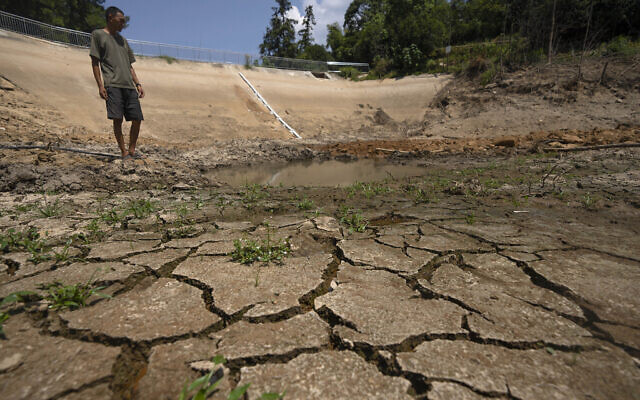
137,82
95,65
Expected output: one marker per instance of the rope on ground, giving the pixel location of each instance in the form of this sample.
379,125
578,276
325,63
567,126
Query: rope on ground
290,129
56,148
599,147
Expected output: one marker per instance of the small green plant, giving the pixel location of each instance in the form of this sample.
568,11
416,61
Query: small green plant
95,233
71,296
367,189
50,209
252,194
589,201
111,217
14,297
470,219
305,204
203,387
352,219
247,251
350,73
28,240
63,255
221,204
140,208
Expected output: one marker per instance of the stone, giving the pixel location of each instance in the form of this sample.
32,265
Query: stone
105,272
440,240
448,391
526,374
169,368
505,142
49,366
369,252
498,314
610,285
115,250
325,375
9,362
245,340
327,224
216,248
167,308
156,260
270,289
100,392
283,221
379,309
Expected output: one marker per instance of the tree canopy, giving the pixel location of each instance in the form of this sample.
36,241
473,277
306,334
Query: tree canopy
82,15
403,33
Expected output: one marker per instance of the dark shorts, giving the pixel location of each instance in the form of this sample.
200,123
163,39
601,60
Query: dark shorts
123,102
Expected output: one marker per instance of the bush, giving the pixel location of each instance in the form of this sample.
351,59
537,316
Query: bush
350,73
476,67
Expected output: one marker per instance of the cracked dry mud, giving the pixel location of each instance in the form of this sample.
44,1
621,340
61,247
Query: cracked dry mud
459,298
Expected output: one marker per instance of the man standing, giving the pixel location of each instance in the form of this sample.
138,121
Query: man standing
111,53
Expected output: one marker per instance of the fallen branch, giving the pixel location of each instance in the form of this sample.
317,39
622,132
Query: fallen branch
599,147
51,148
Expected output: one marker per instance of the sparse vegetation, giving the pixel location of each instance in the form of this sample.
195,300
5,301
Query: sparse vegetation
247,251
252,194
352,219
305,204
62,296
28,240
49,209
368,190
140,208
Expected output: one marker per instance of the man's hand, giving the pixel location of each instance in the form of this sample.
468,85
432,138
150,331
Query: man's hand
103,92
140,91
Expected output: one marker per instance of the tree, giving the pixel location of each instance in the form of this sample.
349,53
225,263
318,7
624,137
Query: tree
279,39
82,15
306,38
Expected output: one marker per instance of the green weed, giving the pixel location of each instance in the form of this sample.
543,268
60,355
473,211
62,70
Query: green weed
71,296
470,219
252,194
203,387
63,255
140,208
221,204
352,219
367,189
247,251
305,204
589,201
111,217
28,240
24,208
50,209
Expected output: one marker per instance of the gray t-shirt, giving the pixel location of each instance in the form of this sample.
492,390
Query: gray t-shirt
115,57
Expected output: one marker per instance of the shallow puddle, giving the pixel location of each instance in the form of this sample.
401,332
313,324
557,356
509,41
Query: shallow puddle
314,173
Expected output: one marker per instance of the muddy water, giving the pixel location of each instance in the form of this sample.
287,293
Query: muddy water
314,173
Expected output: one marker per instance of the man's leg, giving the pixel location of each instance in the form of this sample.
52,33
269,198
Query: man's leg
133,136
117,131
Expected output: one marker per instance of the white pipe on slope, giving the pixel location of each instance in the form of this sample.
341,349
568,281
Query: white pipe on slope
290,129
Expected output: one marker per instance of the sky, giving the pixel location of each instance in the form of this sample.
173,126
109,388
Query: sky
234,25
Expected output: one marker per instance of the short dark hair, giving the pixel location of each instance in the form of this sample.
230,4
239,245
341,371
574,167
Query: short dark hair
111,11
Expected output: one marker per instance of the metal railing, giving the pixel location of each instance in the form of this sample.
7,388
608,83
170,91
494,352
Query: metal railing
30,27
